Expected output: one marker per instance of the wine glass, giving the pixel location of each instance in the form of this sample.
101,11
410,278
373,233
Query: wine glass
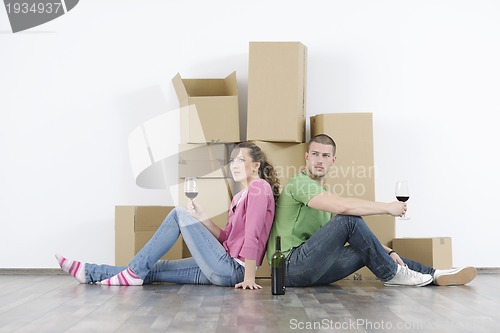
190,187
402,194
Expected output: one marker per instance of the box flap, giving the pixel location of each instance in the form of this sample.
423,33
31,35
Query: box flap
186,88
231,85
218,119
179,87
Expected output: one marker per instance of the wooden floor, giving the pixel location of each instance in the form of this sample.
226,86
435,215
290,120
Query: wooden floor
57,303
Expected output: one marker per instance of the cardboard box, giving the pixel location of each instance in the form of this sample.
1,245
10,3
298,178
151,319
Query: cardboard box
433,252
134,227
215,115
277,91
206,160
264,271
288,159
384,227
353,173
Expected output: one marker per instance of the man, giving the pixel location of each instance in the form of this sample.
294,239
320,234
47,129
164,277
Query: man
315,226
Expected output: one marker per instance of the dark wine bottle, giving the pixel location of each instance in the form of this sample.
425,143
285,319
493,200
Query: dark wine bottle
278,270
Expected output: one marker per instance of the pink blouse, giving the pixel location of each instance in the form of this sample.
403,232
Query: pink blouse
250,219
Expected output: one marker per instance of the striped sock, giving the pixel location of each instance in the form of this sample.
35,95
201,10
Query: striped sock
124,278
74,268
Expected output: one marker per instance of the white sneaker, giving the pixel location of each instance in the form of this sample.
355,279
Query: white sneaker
407,277
454,276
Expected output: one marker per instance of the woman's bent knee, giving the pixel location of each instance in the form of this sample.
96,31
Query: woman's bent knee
184,218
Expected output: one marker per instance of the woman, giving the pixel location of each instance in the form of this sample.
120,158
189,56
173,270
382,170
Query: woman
226,257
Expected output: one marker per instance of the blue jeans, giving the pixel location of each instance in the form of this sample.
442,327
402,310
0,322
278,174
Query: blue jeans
210,263
324,258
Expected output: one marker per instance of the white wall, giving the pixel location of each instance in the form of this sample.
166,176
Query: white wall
73,89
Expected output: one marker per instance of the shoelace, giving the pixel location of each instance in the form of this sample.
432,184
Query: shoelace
409,272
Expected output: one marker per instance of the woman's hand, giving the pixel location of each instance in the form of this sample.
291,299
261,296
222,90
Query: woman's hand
247,284
196,211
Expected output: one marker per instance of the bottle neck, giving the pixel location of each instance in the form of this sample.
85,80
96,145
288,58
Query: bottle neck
278,243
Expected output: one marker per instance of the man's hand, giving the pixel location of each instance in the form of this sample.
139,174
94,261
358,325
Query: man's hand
395,256
397,208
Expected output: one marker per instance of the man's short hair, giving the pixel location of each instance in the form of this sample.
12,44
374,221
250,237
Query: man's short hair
324,139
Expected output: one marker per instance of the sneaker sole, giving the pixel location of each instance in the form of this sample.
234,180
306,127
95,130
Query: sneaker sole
460,277
408,285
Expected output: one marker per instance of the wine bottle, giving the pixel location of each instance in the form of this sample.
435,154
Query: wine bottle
278,270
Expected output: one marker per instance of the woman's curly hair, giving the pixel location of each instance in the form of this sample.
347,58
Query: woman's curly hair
266,170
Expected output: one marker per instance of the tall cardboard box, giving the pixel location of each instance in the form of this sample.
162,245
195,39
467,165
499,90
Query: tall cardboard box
213,115
288,159
277,74
433,252
353,173
134,227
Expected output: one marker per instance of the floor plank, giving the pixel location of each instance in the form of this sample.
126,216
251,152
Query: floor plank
57,303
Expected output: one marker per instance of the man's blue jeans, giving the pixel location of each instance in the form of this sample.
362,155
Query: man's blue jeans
324,258
210,263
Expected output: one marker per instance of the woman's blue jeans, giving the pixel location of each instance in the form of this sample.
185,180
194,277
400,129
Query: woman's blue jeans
210,263
324,258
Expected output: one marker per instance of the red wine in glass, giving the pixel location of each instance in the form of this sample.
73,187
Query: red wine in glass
190,187
402,199
402,194
191,195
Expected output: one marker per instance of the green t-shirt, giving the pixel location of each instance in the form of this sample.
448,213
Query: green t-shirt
294,221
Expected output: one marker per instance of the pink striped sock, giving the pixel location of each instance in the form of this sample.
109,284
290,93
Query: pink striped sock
74,268
124,278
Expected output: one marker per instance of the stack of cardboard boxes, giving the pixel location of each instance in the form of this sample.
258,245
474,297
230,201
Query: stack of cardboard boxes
209,122
276,111
208,133
276,121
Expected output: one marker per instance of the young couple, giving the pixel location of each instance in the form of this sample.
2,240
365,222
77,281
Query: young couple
314,226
